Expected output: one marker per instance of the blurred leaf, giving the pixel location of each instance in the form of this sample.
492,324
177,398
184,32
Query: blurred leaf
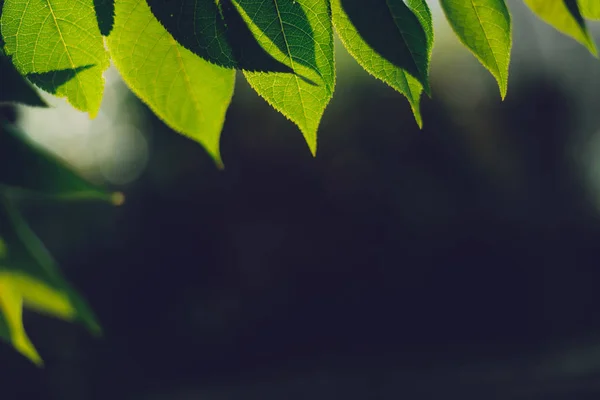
26,166
188,93
17,290
300,35
216,32
484,27
29,277
105,15
54,35
564,16
15,87
390,41
590,8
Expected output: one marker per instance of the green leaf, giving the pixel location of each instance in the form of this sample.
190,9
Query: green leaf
214,31
484,26
188,93
390,40
15,87
564,16
105,15
50,35
298,34
30,277
590,9
27,168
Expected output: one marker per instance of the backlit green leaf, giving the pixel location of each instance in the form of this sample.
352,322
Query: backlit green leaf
298,34
423,13
590,9
390,40
564,16
190,94
30,277
15,87
49,35
27,167
484,26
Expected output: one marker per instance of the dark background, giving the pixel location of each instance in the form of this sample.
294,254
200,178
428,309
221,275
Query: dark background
460,260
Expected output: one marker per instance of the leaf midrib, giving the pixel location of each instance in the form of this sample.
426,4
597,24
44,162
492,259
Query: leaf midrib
62,41
487,40
287,46
186,78
412,56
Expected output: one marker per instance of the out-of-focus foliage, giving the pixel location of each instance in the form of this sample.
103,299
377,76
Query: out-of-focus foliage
180,58
566,16
29,277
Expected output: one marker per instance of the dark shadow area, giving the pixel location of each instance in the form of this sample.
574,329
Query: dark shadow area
14,86
286,25
377,27
574,10
51,81
105,15
220,36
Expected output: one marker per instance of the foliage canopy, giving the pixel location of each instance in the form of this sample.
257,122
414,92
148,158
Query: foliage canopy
180,57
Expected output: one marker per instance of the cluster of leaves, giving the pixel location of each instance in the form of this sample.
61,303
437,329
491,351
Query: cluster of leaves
180,57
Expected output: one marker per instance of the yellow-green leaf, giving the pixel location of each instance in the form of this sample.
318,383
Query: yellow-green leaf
188,93
298,34
590,8
29,277
11,320
391,40
18,290
43,36
564,16
484,27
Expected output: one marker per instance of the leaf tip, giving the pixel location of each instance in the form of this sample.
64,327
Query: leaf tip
24,346
95,329
416,109
503,92
311,141
592,48
215,153
426,87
